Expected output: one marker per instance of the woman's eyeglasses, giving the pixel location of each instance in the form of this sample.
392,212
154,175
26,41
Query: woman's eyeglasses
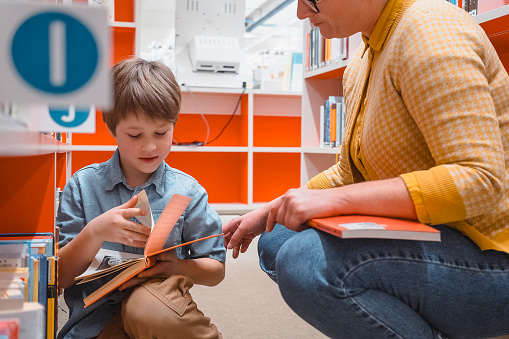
312,5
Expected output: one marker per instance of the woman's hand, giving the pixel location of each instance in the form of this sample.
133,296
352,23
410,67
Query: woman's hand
240,231
297,206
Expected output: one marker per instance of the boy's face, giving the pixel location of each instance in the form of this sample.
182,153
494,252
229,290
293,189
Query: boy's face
143,143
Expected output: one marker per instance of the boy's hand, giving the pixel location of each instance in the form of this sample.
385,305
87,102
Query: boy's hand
115,226
166,266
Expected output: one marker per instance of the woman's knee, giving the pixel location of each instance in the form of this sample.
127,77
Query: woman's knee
300,262
269,245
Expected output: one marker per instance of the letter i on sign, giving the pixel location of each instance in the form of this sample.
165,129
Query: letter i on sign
57,52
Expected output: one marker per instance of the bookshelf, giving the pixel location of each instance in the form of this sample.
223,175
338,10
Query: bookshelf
495,23
325,81
256,158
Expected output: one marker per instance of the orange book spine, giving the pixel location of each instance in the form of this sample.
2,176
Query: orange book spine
333,124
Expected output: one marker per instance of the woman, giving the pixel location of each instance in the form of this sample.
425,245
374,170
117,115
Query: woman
427,139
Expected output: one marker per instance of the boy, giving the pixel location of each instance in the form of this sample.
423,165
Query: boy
97,210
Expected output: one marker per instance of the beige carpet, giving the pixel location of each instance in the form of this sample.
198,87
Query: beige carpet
248,305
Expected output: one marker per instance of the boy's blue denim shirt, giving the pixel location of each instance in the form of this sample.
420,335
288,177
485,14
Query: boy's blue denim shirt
98,188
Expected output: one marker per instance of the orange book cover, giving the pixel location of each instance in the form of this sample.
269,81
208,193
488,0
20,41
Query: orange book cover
364,226
132,264
333,117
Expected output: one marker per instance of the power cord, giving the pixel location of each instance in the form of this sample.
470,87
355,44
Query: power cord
206,142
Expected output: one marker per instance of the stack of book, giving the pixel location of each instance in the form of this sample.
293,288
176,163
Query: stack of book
332,122
322,52
28,284
468,5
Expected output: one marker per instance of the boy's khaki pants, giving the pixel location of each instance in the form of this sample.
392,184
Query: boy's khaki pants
161,308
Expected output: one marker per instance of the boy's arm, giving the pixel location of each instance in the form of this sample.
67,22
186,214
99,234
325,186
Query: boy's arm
114,226
203,271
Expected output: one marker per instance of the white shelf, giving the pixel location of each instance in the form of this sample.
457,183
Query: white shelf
16,140
492,15
28,144
236,91
94,148
233,209
177,148
122,24
213,149
328,69
276,149
265,92
321,150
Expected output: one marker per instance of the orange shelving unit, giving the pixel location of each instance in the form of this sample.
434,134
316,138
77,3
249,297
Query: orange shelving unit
262,140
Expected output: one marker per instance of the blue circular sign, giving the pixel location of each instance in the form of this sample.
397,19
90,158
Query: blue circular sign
54,53
69,117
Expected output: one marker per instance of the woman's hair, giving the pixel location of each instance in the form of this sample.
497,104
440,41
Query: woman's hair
143,87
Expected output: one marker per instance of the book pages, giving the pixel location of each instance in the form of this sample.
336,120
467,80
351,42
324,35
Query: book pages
143,203
165,223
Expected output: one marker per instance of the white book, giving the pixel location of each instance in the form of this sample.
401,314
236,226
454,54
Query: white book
322,123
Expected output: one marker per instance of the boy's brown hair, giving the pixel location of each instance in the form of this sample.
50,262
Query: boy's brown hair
143,87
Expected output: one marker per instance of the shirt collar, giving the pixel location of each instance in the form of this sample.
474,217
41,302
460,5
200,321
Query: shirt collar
390,15
115,176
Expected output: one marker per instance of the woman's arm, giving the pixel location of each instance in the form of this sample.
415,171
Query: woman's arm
389,198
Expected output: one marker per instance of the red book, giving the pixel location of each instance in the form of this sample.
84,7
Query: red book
364,226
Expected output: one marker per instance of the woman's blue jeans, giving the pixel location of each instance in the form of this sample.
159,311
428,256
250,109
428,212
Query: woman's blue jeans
376,288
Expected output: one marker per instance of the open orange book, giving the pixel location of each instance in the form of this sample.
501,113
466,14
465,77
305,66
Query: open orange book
364,226
128,265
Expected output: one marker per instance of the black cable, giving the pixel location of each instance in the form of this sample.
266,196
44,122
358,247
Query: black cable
231,117
201,143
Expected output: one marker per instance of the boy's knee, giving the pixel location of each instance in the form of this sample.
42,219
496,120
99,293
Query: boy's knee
164,308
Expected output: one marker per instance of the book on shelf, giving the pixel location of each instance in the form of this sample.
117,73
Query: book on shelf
127,266
12,293
31,320
327,125
9,328
40,243
14,254
18,274
37,272
364,226
322,126
321,52
332,121
470,6
52,298
337,118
